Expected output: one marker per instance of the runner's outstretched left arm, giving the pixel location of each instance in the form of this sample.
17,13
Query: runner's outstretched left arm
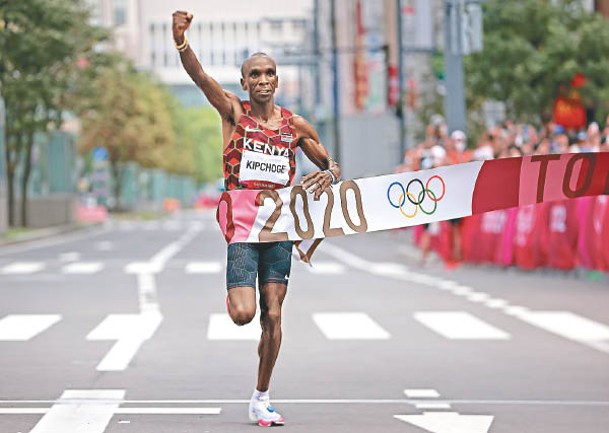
329,173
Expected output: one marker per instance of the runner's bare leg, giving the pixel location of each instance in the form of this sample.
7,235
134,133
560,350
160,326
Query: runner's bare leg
242,304
271,301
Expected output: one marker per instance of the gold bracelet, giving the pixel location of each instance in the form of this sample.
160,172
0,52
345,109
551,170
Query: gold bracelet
183,45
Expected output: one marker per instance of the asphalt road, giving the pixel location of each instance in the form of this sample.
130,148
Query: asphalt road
123,329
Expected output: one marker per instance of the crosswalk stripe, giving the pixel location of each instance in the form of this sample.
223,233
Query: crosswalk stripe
81,410
568,325
23,327
82,268
204,267
349,326
221,327
460,325
23,268
326,268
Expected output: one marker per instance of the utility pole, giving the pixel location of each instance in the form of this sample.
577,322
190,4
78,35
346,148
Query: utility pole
401,111
462,36
454,100
335,83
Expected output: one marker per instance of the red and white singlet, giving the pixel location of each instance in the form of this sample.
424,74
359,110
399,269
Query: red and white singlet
258,158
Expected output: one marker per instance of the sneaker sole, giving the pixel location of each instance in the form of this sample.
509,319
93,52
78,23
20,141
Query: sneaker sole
263,423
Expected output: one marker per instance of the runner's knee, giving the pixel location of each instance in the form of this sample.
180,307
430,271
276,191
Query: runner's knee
272,317
240,314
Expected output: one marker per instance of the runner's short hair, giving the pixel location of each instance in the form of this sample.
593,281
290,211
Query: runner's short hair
251,56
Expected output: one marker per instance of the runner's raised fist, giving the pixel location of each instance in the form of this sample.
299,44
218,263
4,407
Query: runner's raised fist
181,22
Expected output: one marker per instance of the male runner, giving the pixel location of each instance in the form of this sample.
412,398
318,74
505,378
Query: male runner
260,140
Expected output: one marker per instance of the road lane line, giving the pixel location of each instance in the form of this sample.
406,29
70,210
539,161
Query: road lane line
349,326
81,411
326,268
421,393
22,268
130,331
221,327
432,406
460,325
490,402
570,326
168,411
82,268
520,312
204,268
23,327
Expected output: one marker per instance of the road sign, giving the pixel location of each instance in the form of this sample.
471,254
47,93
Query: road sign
100,154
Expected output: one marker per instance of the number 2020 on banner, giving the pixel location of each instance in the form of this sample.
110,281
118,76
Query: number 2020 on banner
267,234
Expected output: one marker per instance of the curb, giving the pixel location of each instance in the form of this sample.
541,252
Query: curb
45,233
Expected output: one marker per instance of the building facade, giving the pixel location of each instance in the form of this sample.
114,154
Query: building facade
222,37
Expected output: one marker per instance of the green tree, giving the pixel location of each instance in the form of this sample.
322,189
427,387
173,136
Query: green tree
40,43
128,115
532,50
204,127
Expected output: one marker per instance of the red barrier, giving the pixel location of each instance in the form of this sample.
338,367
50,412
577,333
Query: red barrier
561,235
597,233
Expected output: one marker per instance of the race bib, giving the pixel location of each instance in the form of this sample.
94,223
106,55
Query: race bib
256,166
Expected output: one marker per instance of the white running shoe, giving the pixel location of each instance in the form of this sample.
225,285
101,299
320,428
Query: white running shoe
263,413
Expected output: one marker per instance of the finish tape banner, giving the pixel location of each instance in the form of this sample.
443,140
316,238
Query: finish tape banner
408,199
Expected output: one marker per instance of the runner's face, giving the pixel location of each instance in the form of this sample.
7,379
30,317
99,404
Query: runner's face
260,78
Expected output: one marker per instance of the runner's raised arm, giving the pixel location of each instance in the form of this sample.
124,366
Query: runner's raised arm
220,99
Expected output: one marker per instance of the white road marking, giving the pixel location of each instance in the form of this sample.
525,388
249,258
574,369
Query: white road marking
421,393
462,290
477,297
82,268
388,269
490,402
496,303
142,267
326,268
432,406
22,268
349,326
517,311
130,331
204,267
81,411
449,422
69,257
460,325
23,327
568,325
124,411
221,327
169,411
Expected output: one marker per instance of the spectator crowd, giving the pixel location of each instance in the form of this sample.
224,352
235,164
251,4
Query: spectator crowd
562,235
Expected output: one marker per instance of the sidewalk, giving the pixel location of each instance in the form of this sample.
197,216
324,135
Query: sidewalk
29,235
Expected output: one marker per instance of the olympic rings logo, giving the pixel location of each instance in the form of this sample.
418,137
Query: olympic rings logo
417,199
